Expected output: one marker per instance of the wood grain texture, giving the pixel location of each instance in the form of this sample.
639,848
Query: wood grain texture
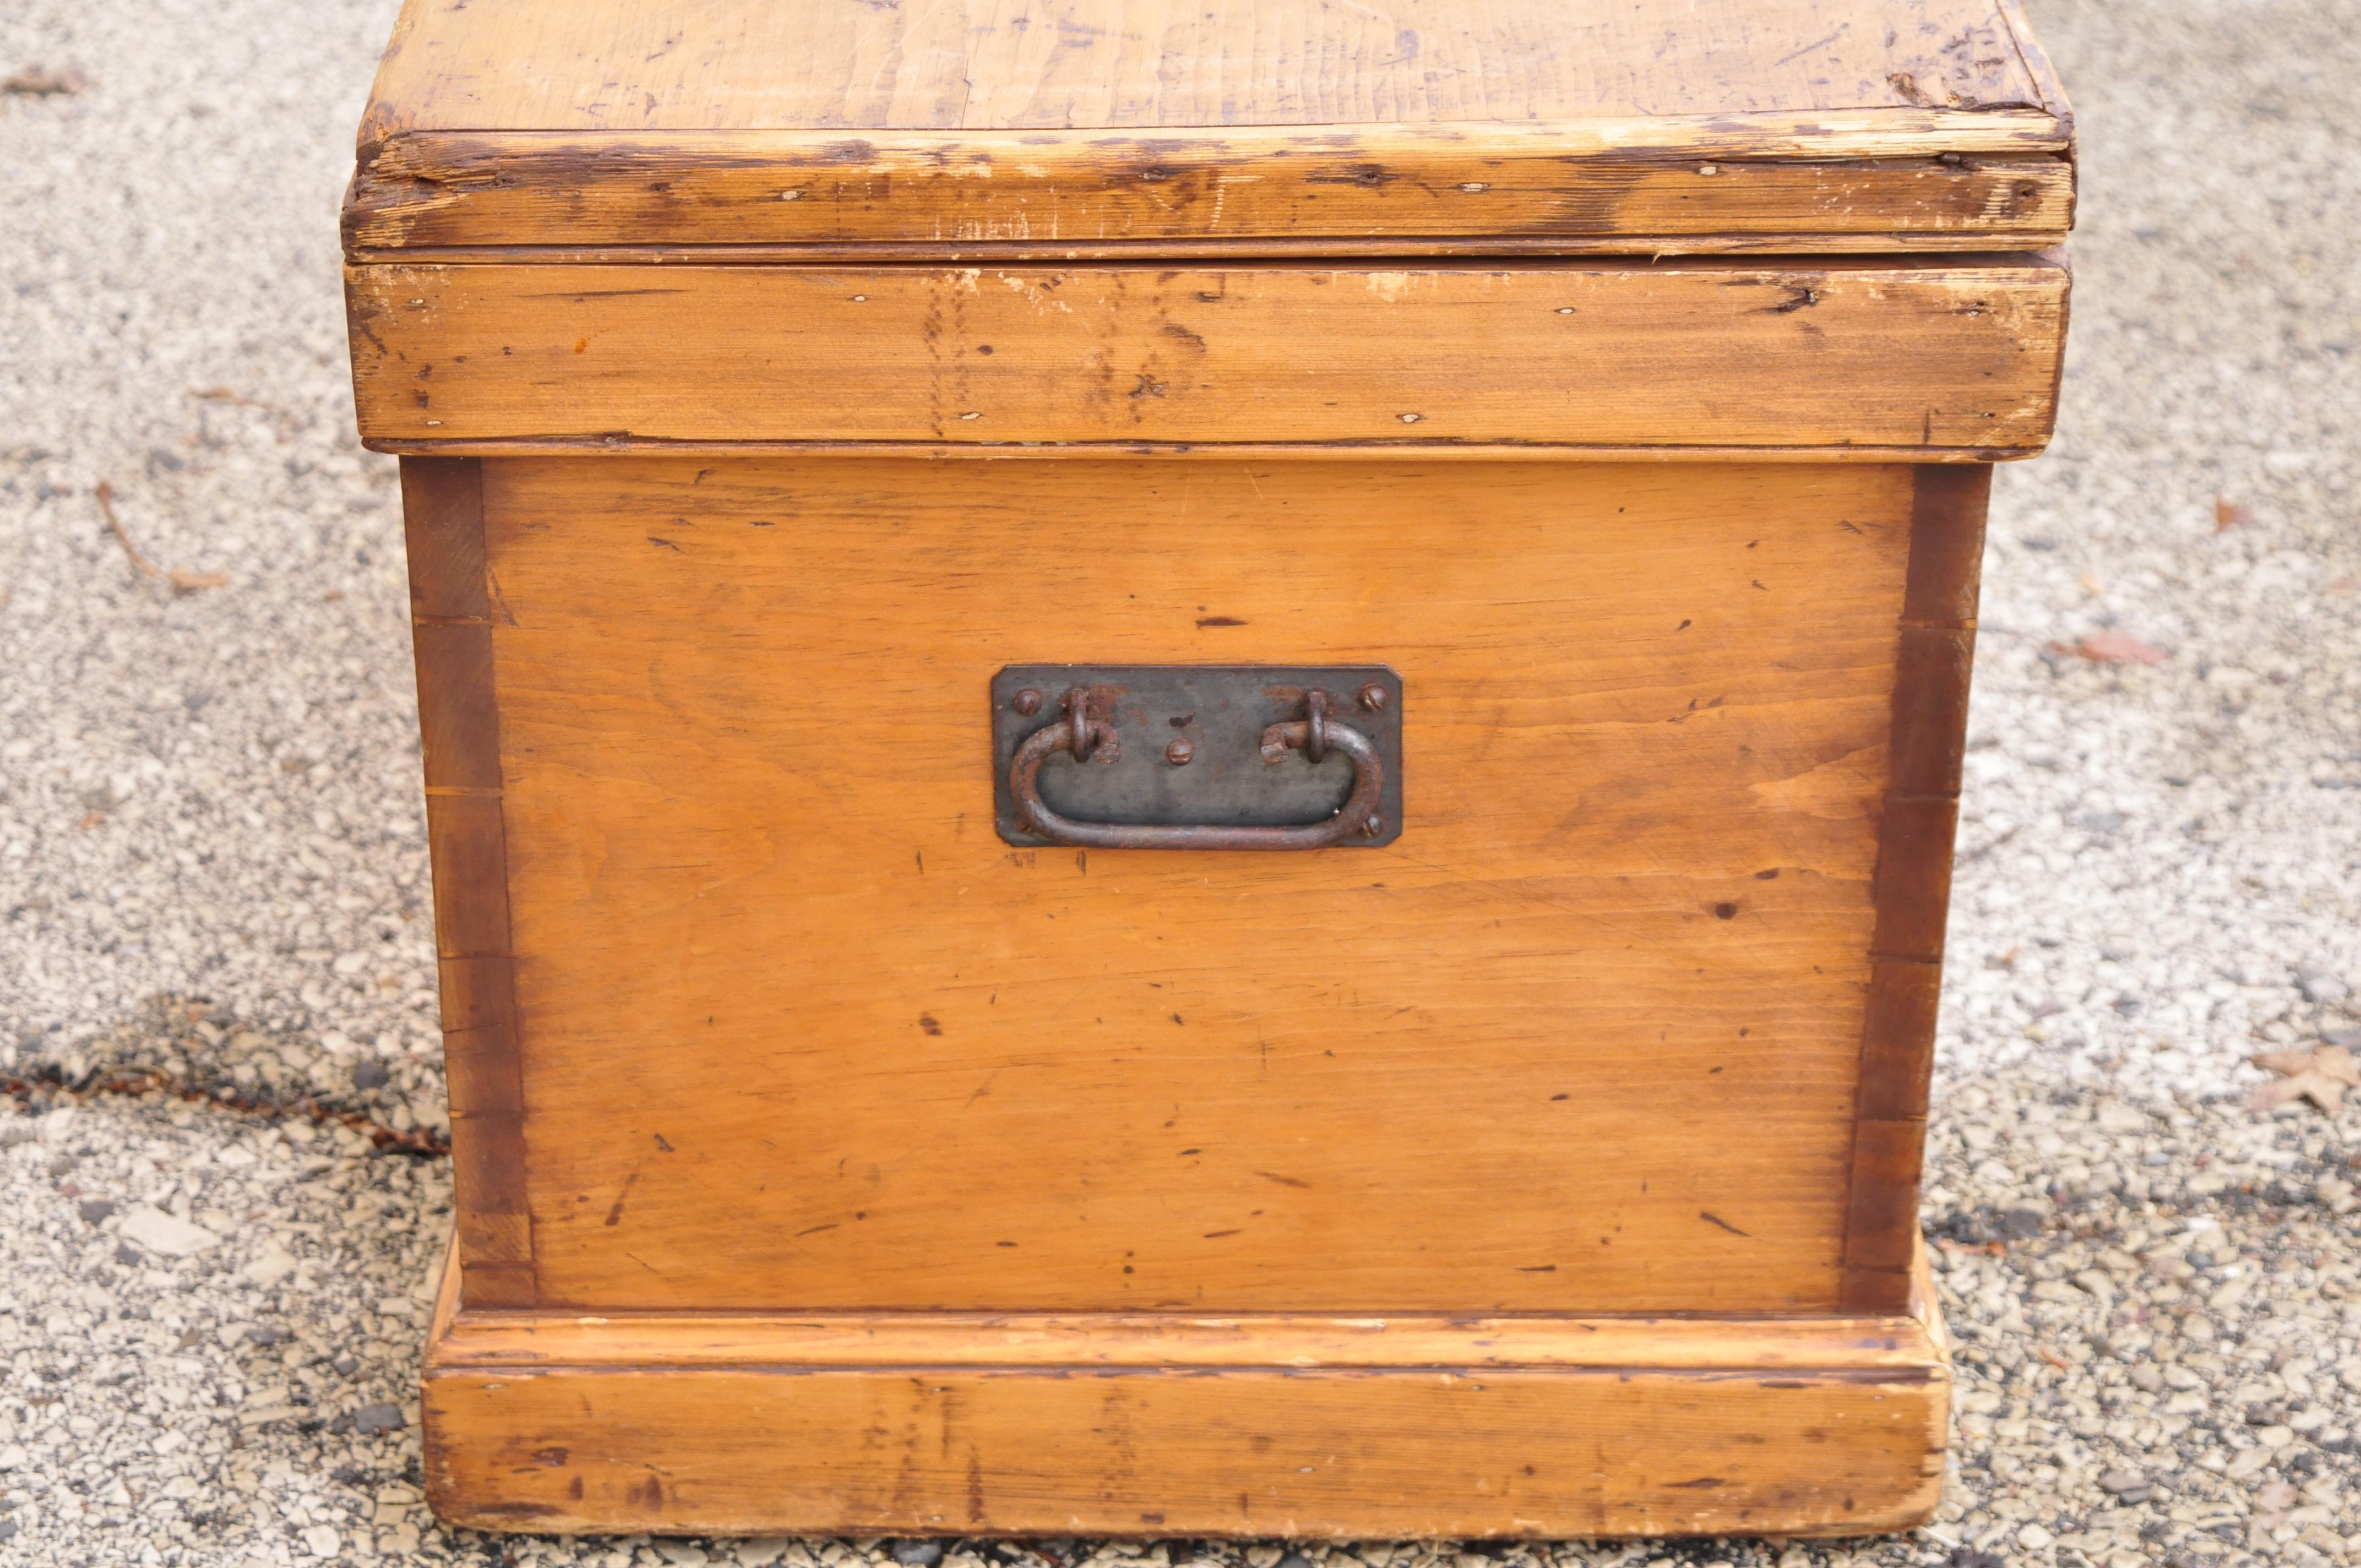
1645,127
459,723
956,1424
1698,353
1935,652
1646,187
803,1033
625,65
1262,1452
1044,1340
1551,1171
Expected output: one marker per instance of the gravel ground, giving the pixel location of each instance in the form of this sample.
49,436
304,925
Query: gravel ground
212,863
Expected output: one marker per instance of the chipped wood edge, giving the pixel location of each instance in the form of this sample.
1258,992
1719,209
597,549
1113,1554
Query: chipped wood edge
378,118
1935,652
451,629
1996,173
1925,1301
446,1310
2039,67
2036,63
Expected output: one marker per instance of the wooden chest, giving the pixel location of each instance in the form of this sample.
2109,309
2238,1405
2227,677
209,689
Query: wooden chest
1192,770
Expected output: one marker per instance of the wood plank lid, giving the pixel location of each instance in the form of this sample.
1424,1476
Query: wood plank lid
1079,128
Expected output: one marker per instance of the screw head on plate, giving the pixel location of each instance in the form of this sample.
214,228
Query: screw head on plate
1026,703
1179,751
1373,697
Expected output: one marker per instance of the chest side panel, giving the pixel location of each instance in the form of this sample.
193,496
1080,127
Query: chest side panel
797,1029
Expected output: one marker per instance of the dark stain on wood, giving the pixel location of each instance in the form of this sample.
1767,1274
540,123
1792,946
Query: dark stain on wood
443,512
1911,886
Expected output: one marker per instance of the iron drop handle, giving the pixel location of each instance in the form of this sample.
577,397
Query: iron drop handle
1086,740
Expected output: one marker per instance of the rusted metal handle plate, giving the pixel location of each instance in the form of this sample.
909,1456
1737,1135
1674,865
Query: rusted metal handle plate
1185,748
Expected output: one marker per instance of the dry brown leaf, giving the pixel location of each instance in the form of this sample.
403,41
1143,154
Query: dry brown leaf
191,581
2336,1061
2321,1075
2113,647
2228,514
40,82
2317,1087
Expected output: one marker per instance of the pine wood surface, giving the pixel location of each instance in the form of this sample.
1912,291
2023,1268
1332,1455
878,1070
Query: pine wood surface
1261,1453
1522,1060
442,514
1959,358
1271,1426
1807,124
1917,824
1647,187
1158,64
1551,1171
487,1339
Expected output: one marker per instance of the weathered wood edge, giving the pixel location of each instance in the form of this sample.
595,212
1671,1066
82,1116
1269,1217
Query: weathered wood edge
451,627
379,117
1936,649
1258,451
553,1337
1950,180
2039,67
1766,248
1926,1303
1882,131
2037,62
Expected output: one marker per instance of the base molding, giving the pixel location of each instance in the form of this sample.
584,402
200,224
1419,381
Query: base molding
1416,1425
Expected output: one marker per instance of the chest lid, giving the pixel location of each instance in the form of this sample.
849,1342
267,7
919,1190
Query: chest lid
1068,129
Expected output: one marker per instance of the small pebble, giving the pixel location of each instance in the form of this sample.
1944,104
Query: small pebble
2323,988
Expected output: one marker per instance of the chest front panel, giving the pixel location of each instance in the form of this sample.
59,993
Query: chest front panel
798,1029
1492,1107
